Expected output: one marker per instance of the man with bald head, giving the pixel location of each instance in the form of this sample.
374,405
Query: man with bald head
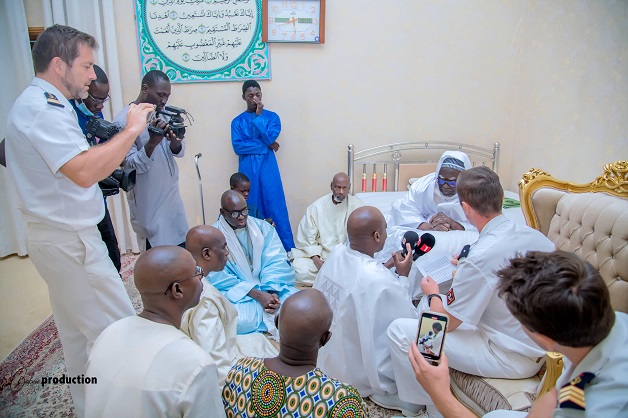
213,323
303,323
144,365
323,226
365,298
257,277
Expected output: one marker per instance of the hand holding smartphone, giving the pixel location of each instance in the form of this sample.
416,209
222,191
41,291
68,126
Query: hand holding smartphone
431,335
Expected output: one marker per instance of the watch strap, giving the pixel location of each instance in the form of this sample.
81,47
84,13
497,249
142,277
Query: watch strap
430,296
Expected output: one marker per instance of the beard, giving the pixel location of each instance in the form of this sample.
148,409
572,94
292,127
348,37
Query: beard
339,199
76,91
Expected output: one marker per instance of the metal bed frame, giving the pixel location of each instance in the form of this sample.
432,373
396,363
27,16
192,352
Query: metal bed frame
395,155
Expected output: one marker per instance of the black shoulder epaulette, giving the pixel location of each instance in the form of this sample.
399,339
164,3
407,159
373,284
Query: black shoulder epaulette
52,100
571,395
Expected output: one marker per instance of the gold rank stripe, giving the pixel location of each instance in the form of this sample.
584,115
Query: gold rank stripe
572,394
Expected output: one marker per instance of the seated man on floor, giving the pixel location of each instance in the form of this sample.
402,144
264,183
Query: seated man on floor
323,226
430,196
569,290
365,298
213,323
145,366
483,337
258,276
291,384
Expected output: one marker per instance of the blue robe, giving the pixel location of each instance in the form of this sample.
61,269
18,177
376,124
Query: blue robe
250,136
275,275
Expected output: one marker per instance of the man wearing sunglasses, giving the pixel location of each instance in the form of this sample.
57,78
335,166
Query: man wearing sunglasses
85,109
432,203
258,276
144,364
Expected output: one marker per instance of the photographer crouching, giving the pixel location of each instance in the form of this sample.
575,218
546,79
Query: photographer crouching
157,212
91,107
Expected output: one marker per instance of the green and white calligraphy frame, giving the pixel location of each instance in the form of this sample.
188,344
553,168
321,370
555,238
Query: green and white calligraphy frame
202,40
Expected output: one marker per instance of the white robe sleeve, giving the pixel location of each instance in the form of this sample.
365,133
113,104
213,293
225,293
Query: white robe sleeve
416,207
307,240
209,325
202,396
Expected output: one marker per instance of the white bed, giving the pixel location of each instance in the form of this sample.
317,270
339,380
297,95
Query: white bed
407,161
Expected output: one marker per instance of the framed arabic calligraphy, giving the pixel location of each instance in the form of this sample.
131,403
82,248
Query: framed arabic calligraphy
202,40
301,21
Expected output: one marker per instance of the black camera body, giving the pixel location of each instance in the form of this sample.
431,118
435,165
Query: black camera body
120,178
176,121
100,128
426,337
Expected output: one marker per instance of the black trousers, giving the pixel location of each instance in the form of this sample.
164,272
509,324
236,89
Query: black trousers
109,237
148,246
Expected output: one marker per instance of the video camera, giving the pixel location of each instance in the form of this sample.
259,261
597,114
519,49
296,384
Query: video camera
176,121
426,338
120,178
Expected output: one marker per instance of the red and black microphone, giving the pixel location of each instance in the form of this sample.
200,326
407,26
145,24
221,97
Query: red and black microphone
420,245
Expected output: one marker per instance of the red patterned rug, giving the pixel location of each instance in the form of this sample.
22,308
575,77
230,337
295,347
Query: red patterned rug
41,355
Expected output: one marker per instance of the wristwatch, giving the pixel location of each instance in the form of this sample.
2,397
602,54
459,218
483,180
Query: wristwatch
429,298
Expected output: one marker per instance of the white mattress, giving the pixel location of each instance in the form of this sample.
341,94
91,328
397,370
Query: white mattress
383,201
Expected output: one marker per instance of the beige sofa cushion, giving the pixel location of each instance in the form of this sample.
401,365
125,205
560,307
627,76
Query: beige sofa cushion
484,394
595,226
592,225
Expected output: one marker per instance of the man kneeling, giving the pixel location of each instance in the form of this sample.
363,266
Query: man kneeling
145,366
563,304
291,384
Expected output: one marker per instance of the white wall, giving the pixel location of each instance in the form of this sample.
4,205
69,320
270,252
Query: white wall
547,79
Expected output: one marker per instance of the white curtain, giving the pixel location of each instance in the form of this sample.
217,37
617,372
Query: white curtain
96,18
17,73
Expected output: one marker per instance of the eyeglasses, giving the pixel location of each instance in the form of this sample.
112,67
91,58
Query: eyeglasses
199,272
442,181
95,100
236,213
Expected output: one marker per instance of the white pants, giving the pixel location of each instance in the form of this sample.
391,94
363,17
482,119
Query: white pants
305,270
466,351
85,290
500,413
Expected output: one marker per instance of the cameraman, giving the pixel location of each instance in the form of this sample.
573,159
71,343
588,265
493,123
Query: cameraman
55,173
92,105
157,212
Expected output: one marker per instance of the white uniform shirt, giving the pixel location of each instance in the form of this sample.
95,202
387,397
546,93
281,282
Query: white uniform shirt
157,211
147,369
365,298
42,135
605,396
473,296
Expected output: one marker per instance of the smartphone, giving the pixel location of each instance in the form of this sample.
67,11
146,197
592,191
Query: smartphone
431,335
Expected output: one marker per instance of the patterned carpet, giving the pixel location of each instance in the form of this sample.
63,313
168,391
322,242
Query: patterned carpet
41,355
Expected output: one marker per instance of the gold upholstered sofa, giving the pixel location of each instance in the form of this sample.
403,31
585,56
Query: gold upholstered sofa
590,220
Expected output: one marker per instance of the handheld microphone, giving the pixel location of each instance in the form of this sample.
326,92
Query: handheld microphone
410,237
464,252
424,245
